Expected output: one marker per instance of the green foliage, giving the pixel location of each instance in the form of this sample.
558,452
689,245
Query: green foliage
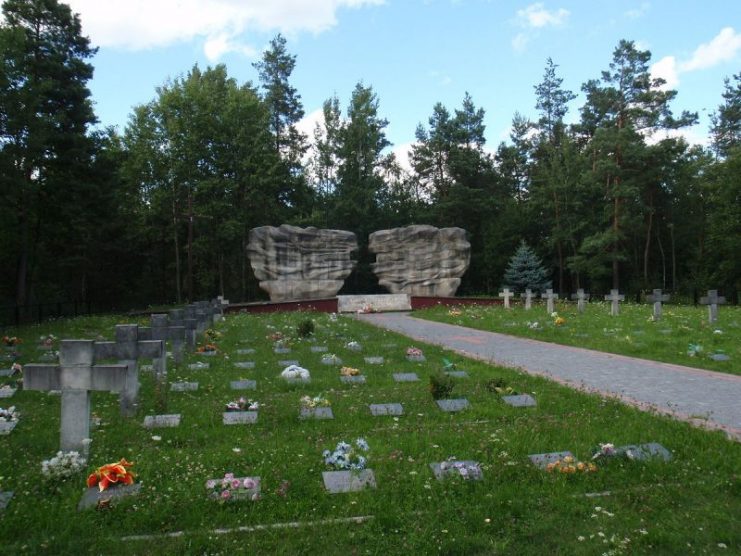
525,270
305,328
441,385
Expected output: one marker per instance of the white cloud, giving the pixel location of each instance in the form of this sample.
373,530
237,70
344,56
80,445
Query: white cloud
723,48
638,12
666,69
145,24
401,152
693,135
520,42
535,16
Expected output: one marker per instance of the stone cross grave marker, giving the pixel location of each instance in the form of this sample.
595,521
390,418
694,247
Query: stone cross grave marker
76,376
127,349
615,298
657,298
550,298
177,317
528,297
161,329
712,300
581,299
506,294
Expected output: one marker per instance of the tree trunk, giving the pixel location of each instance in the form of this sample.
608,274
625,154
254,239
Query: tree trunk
663,259
189,276
647,246
177,251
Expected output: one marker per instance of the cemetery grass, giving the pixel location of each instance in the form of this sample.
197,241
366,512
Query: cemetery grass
632,332
685,506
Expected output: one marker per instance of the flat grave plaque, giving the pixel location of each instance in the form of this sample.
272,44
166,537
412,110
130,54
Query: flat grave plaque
354,347
93,496
200,365
245,364
239,417
241,494
356,379
6,427
348,481
331,361
378,409
6,372
7,392
445,469
245,351
318,349
451,406
5,499
287,362
374,360
406,377
243,384
457,374
416,358
643,452
282,350
298,380
183,386
720,357
161,421
522,400
210,353
319,413
542,460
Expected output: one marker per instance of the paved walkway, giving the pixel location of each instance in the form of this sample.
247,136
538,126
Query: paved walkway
705,398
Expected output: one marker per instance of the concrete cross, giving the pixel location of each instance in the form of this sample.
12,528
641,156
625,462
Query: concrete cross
506,294
528,295
76,376
550,297
581,299
128,348
178,318
657,298
615,298
161,329
712,300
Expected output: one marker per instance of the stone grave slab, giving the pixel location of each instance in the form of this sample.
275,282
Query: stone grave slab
161,421
542,460
720,357
243,384
241,494
441,473
7,392
643,452
6,372
200,365
319,413
451,406
298,380
6,427
406,377
5,499
416,358
209,353
457,374
239,417
374,360
522,400
337,482
183,386
245,364
287,362
378,409
331,361
357,379
93,496
245,351
282,351
378,303
318,349
354,347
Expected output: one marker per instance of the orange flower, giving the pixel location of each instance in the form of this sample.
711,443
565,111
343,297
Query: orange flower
111,473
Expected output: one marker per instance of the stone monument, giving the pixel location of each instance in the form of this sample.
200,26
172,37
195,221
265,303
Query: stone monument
420,260
300,263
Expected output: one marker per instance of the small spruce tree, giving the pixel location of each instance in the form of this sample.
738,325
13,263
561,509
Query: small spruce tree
525,270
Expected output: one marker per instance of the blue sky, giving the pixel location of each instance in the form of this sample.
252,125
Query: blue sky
413,52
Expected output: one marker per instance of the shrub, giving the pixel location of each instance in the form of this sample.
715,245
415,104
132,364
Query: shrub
305,328
441,385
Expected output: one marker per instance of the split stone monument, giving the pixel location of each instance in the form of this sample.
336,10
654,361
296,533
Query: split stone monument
300,263
420,260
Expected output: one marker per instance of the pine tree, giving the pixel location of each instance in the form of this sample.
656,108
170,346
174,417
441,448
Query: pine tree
525,270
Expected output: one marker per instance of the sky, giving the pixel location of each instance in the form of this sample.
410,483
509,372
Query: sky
414,53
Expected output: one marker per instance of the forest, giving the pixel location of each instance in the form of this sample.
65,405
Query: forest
160,211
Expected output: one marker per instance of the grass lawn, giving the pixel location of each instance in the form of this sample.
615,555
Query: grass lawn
682,336
689,505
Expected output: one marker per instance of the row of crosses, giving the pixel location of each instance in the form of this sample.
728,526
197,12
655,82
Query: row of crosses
79,372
